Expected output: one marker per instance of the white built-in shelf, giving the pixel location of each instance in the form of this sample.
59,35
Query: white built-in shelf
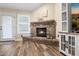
68,44
65,17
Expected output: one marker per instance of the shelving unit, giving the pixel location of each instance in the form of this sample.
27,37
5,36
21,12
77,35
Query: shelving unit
65,17
69,44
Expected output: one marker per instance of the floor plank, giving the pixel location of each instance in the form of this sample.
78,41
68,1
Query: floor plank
30,48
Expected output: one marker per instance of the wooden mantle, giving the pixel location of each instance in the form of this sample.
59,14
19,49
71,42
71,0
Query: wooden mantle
45,22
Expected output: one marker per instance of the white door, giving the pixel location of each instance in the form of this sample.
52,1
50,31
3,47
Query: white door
7,27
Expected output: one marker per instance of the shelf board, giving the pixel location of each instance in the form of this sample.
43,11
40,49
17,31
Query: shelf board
71,46
64,11
64,21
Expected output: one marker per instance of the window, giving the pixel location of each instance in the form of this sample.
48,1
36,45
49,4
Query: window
23,24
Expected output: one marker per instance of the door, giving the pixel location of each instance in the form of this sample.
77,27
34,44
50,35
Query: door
64,44
6,27
71,49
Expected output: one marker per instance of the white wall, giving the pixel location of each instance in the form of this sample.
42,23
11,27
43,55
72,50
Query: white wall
40,12
58,18
54,13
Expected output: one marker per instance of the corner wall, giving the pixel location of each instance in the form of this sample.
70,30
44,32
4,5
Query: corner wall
58,18
54,13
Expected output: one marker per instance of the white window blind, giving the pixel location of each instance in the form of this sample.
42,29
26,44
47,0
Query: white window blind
23,24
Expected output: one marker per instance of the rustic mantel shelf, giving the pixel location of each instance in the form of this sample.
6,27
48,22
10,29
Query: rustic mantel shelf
45,22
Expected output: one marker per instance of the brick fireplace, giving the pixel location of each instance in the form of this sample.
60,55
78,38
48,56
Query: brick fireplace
43,29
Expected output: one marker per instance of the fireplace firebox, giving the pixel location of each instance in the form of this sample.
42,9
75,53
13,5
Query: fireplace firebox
41,32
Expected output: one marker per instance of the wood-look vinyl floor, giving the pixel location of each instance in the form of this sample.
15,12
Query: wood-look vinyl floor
29,48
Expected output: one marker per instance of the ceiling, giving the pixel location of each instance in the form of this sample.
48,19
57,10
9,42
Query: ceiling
21,6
